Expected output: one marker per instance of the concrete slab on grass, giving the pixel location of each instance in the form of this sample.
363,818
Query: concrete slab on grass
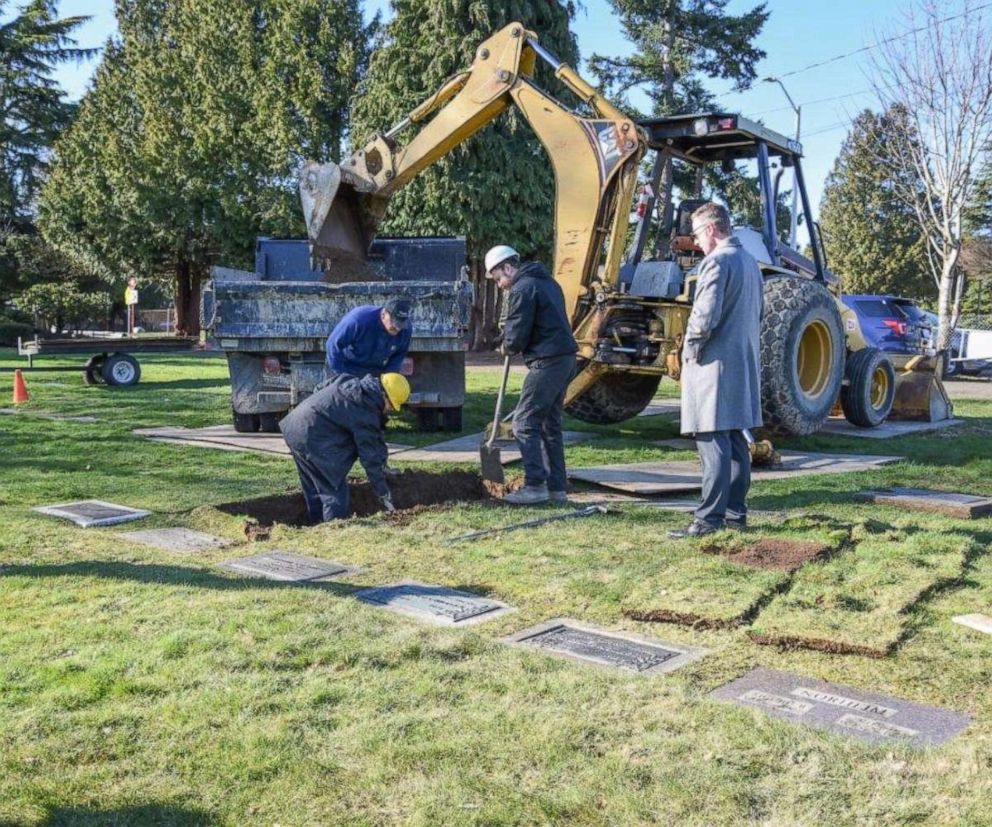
286,566
880,719
466,449
618,650
965,506
225,438
684,475
978,622
663,407
179,540
93,513
435,604
887,430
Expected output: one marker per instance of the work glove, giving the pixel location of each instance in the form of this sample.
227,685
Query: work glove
387,501
389,471
503,351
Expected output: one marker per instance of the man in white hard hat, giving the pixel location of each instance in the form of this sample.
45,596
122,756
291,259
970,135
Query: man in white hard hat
537,327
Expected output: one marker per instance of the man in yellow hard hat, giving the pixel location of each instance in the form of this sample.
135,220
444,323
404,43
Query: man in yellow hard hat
343,420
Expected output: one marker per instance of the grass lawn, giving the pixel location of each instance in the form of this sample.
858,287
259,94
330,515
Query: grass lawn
143,687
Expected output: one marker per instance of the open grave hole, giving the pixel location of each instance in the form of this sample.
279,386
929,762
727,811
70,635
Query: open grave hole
412,491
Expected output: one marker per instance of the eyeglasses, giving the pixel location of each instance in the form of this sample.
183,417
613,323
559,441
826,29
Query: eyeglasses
697,230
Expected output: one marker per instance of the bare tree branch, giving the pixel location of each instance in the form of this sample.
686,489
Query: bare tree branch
940,79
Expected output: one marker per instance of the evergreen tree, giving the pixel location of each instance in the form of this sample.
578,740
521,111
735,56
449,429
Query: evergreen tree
872,238
678,44
495,188
33,109
188,143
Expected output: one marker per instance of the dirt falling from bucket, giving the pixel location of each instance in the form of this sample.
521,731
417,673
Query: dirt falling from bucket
412,491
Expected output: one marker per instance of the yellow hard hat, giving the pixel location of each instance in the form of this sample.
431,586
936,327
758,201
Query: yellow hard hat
396,388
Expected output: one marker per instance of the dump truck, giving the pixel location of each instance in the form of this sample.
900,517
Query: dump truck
273,322
629,295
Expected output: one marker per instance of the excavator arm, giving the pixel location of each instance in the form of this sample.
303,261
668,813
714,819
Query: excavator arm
595,162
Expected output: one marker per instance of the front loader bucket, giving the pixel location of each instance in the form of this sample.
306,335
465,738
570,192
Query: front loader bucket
338,230
920,394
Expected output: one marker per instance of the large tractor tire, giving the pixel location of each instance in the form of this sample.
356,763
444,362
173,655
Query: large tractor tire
802,355
871,388
614,398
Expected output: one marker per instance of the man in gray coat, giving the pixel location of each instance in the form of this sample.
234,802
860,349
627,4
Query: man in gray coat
721,372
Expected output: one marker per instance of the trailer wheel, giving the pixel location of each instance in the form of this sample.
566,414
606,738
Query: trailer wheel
246,423
121,370
93,373
802,355
614,398
268,423
871,389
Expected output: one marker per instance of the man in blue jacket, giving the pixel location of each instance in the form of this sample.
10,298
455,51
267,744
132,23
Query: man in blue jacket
343,420
537,327
371,340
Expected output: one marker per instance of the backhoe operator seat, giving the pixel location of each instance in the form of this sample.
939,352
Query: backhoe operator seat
682,240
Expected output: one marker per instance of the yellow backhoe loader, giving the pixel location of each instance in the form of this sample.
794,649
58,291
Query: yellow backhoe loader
628,299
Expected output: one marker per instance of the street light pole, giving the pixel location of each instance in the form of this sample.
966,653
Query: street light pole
794,220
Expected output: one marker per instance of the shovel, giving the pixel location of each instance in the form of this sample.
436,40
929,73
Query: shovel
492,467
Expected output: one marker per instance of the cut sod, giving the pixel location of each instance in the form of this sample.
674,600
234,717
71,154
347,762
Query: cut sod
857,602
410,490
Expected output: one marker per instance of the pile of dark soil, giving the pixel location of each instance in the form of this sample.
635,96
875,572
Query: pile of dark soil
411,490
773,553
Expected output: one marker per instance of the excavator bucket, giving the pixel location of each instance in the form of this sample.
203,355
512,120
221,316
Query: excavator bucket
338,231
920,394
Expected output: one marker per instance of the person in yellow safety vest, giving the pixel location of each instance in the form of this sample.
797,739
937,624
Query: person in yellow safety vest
131,300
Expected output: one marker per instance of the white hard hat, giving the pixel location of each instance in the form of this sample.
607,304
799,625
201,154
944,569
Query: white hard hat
497,255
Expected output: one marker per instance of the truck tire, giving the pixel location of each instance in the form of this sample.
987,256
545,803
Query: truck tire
802,355
871,388
268,423
121,370
614,398
451,419
246,423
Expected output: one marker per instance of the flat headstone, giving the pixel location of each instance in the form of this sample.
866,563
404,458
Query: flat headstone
283,565
954,504
50,416
584,644
887,430
678,444
225,438
436,604
93,513
842,709
979,622
466,449
673,476
182,540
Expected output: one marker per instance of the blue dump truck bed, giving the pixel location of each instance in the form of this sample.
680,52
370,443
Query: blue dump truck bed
273,323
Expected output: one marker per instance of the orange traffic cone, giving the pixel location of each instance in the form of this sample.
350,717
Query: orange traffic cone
20,389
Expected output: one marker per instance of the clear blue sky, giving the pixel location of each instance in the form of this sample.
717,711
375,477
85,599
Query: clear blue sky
797,33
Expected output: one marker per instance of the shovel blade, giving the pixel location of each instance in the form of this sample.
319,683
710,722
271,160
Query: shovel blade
492,467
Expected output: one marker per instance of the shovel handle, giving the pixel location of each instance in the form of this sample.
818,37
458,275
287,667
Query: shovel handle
499,400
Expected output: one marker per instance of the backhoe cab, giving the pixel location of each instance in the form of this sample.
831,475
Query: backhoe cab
628,299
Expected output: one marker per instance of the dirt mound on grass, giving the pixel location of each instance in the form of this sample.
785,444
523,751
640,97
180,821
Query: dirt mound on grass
412,490
772,553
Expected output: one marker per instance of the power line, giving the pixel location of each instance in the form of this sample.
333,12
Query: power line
881,42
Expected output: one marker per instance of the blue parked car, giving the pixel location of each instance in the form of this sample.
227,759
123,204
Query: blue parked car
889,323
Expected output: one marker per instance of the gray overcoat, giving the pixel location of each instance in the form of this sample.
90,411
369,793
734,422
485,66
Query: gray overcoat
721,371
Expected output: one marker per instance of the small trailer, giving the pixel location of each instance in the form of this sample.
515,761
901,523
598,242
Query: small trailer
111,359
272,324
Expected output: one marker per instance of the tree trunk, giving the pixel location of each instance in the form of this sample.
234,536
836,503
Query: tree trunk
188,279
948,299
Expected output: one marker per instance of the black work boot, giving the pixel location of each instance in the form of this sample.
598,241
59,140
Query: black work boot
738,524
695,529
